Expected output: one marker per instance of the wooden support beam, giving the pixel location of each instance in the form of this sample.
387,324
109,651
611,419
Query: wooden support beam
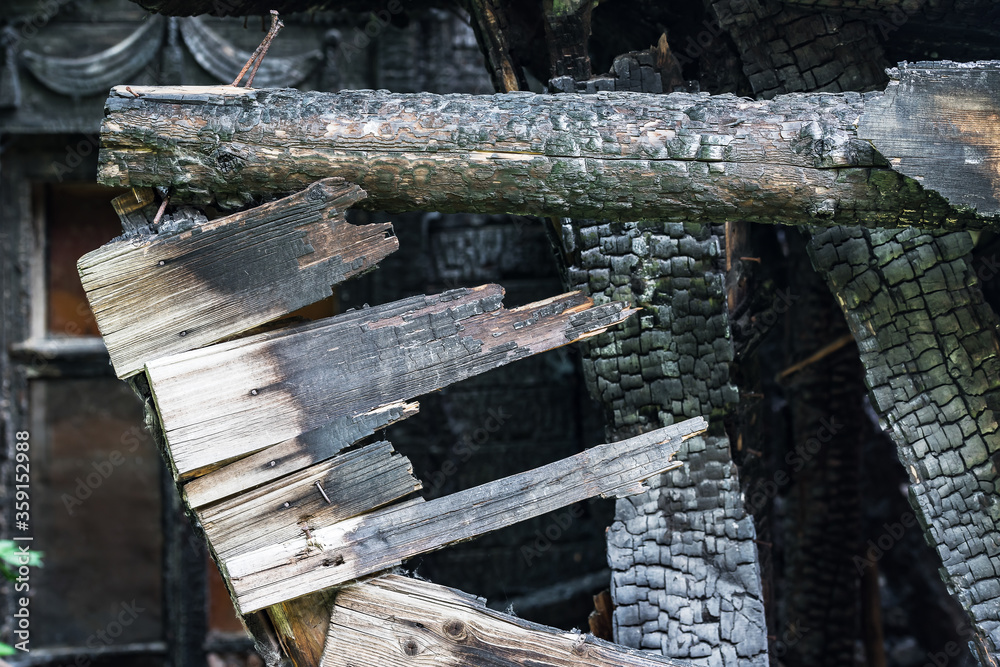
196,282
335,553
395,620
795,159
223,402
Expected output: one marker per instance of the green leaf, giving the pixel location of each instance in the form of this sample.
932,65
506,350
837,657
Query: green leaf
11,555
6,649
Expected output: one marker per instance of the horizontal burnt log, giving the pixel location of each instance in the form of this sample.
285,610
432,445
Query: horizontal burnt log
796,159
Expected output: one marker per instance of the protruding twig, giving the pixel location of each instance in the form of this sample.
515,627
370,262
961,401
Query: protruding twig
258,55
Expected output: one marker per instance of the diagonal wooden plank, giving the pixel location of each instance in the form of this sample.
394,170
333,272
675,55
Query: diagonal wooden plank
226,401
337,489
291,455
395,621
334,554
193,284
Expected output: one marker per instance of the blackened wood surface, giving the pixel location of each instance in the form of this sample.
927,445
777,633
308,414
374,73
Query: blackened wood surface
620,156
685,568
939,123
194,283
233,399
337,552
930,351
395,621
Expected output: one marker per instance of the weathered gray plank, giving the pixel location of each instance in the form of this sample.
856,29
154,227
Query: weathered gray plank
191,285
795,159
394,621
346,550
291,455
235,398
939,123
337,489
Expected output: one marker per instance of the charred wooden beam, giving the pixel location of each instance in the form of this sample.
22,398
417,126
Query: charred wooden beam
232,399
196,282
929,348
435,625
796,159
333,553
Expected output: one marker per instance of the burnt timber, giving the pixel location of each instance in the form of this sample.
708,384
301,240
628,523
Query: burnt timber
795,160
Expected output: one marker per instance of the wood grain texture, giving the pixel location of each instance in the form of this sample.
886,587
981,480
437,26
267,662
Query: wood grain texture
193,284
795,159
323,494
236,398
329,555
292,455
939,123
394,621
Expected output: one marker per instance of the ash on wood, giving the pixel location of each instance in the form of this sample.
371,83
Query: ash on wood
395,620
193,284
341,551
795,159
232,399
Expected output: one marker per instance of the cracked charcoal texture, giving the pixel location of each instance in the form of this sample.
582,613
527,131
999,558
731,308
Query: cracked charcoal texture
929,348
685,572
786,49
685,575
794,160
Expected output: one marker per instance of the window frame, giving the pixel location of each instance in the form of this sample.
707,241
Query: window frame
30,353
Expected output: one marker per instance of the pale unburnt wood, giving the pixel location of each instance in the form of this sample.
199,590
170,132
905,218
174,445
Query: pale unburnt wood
395,621
191,285
795,159
938,124
346,550
292,455
229,400
337,489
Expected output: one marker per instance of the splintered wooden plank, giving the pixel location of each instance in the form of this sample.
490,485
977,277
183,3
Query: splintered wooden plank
229,400
939,124
396,621
292,455
345,550
186,287
323,494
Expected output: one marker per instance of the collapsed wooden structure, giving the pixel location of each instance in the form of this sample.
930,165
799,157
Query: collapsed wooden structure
266,433
285,407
